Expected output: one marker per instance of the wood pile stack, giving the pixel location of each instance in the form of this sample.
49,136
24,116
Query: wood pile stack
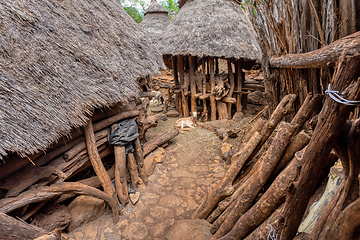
268,195
26,188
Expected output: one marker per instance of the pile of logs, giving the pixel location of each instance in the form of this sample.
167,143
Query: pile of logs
267,195
26,188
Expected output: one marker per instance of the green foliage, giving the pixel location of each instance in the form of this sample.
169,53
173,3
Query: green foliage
136,8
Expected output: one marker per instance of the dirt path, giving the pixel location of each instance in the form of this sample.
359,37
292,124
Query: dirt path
176,188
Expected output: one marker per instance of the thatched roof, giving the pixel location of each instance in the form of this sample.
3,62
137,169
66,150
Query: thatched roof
156,19
217,28
59,60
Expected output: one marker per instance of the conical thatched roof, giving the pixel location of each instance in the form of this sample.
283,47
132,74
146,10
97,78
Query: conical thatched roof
156,19
61,59
217,28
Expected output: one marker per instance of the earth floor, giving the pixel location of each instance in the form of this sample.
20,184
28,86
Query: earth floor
192,167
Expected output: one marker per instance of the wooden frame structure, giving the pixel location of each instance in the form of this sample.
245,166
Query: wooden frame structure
198,80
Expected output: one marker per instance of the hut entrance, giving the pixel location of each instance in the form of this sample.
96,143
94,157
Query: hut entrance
205,88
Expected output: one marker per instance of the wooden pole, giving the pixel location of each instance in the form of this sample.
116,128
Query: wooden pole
139,157
120,174
192,62
96,161
212,84
176,79
232,85
184,99
240,80
205,111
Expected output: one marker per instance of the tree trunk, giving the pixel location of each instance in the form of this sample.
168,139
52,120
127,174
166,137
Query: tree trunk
139,157
120,174
184,98
212,85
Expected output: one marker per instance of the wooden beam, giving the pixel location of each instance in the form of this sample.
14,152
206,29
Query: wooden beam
212,84
192,63
239,80
184,99
232,85
322,57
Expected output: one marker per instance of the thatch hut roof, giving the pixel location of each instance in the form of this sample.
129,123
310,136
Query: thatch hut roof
218,28
59,60
156,19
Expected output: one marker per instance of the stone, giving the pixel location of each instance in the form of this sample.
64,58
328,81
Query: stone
189,229
91,231
159,155
84,209
172,113
134,197
149,163
257,98
57,219
78,235
135,231
225,147
238,116
157,109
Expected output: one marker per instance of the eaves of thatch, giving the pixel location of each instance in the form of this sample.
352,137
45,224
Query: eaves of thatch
156,19
217,28
59,60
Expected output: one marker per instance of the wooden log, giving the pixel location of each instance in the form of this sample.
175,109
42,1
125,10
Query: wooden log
239,80
212,85
175,69
222,110
268,203
12,228
133,169
331,120
262,232
307,108
96,161
91,182
16,183
258,126
322,57
183,87
337,220
267,164
232,87
82,145
147,94
224,187
205,111
16,163
55,235
8,205
192,63
107,122
120,174
152,144
297,143
150,122
139,157
229,100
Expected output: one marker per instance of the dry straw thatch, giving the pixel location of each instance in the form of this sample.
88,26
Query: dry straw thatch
217,28
156,19
59,60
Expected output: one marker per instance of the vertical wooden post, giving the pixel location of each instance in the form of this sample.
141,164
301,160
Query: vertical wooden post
176,78
232,85
120,174
184,99
212,83
204,88
192,63
96,162
240,79
216,66
139,157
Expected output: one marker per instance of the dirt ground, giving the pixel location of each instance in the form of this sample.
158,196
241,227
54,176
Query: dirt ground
192,167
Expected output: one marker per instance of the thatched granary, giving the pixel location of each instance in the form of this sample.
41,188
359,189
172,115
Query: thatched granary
204,31
59,61
156,19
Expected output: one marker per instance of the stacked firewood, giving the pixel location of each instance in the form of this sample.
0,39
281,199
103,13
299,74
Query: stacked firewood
26,187
255,185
